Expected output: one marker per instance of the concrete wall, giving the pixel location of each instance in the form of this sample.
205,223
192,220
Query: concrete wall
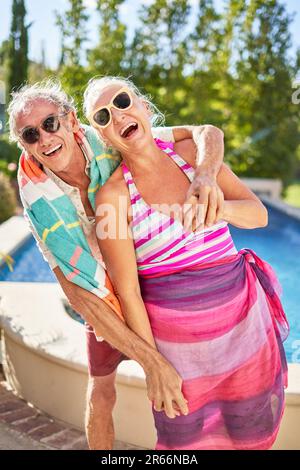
59,390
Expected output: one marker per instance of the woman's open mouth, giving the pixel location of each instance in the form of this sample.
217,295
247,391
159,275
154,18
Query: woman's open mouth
129,130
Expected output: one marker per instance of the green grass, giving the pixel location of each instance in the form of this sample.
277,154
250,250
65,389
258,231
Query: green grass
293,194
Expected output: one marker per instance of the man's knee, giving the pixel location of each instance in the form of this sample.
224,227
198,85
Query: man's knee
101,393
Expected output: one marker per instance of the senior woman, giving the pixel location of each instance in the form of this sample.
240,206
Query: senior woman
213,312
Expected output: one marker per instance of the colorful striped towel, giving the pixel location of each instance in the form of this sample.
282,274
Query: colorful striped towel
56,220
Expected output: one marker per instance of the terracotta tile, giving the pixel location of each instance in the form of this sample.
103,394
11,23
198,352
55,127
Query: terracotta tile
29,424
17,415
11,405
46,431
63,440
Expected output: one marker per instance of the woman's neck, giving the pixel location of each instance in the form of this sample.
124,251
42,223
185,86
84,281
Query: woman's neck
144,159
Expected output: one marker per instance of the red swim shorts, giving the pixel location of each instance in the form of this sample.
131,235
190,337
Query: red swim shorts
103,359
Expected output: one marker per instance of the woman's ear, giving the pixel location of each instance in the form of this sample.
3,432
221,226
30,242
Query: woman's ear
147,108
105,141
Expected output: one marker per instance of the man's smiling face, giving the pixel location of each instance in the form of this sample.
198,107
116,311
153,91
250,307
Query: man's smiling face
53,150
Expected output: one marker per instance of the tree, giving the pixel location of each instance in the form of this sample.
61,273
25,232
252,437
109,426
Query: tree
72,73
18,47
265,116
156,56
208,65
107,58
73,30
38,70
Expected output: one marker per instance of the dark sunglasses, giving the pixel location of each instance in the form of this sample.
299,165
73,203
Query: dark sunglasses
31,135
102,116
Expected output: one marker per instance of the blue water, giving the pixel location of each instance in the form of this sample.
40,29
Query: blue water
29,265
279,244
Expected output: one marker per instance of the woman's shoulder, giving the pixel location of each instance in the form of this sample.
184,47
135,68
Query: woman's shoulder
114,187
187,150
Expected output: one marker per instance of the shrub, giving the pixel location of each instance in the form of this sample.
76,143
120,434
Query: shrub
8,200
8,150
9,154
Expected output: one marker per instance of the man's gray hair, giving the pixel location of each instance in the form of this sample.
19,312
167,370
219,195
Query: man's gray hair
97,85
22,100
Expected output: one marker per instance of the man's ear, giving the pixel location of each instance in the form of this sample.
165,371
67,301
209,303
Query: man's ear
73,121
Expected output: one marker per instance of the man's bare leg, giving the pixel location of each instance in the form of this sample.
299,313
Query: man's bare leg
101,398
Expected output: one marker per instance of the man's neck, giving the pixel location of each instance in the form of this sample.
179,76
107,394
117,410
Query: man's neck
74,174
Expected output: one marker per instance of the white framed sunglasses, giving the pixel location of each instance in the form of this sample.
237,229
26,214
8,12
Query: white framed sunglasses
101,117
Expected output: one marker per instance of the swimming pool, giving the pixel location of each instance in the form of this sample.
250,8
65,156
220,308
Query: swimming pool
279,244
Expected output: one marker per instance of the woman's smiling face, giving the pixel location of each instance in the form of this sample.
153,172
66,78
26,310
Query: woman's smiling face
128,127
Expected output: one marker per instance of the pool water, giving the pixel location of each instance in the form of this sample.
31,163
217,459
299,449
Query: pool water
29,265
278,244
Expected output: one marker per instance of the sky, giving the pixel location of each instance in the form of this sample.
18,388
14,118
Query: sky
43,29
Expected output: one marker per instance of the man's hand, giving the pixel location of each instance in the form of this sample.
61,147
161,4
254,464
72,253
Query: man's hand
204,199
164,389
163,382
204,203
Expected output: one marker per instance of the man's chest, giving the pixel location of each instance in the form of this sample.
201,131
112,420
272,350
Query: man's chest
86,203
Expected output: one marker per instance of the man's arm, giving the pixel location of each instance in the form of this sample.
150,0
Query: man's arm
204,195
163,382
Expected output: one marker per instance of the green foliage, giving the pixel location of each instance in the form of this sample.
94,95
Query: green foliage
157,55
72,25
107,58
7,199
264,113
229,67
292,194
18,47
72,74
8,151
74,80
9,155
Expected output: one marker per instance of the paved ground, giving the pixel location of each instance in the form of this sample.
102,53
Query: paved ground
13,440
24,427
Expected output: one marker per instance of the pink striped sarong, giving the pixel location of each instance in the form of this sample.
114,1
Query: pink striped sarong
216,316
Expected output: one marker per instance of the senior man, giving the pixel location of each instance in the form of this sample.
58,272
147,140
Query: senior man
54,180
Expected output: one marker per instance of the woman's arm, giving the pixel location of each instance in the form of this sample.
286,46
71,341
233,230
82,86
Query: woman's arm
241,206
117,249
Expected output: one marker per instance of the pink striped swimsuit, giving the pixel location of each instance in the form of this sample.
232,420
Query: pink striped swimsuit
162,242
216,316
